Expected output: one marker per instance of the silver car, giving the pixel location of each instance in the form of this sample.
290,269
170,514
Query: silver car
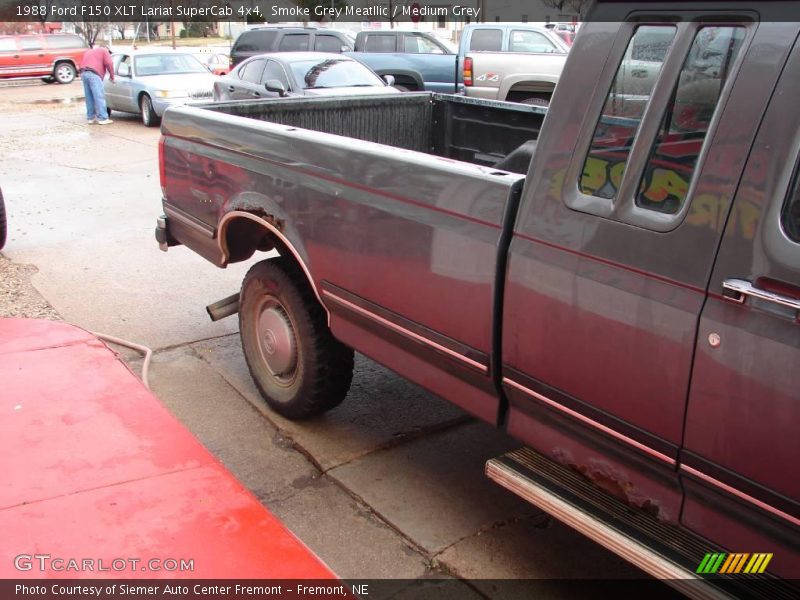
282,74
149,82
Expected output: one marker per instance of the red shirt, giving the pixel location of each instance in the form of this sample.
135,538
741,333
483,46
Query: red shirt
98,59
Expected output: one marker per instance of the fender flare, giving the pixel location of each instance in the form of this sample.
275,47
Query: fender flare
404,73
222,244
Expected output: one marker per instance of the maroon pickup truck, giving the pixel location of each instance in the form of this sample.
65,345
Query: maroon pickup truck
614,281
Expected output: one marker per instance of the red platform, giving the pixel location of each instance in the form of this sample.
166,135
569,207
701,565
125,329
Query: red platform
94,467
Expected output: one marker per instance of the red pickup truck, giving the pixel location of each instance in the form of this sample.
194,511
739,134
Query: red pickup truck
614,280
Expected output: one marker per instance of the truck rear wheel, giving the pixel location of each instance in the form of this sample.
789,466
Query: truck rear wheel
298,366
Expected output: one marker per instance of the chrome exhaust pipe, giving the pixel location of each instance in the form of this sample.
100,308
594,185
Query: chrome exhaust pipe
223,308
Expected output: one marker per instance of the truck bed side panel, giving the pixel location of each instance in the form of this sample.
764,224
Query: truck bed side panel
397,242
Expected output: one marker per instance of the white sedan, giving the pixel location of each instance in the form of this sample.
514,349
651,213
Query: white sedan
147,83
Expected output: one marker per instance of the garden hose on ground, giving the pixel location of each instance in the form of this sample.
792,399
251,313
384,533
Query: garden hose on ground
147,352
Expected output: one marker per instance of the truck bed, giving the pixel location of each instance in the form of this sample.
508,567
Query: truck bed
471,130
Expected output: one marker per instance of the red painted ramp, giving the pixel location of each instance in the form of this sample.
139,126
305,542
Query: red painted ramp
95,469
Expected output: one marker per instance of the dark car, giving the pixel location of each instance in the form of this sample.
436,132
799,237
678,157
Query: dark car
53,57
299,74
288,39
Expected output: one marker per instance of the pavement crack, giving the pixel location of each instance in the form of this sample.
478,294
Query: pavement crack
406,437
541,521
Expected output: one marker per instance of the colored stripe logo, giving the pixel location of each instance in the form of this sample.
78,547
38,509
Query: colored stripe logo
739,562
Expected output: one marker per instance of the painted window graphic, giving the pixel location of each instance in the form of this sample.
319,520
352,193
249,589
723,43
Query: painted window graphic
725,563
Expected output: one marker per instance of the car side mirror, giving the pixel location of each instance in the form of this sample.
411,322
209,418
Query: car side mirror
275,85
389,79
124,71
344,48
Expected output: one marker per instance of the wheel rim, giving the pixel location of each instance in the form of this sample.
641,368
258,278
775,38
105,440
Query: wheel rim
64,73
277,343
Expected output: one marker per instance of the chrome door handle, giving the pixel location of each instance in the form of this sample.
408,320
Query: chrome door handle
738,289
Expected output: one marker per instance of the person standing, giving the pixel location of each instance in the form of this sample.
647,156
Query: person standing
96,62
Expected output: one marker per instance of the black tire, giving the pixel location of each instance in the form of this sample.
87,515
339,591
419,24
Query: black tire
3,222
64,72
280,318
149,116
534,101
49,79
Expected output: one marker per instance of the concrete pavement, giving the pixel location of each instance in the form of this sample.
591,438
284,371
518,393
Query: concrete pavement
389,485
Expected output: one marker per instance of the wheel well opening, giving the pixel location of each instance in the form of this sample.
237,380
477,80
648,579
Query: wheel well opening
407,82
244,236
521,92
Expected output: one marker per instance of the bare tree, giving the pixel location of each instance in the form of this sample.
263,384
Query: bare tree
120,27
559,5
13,27
42,18
90,30
579,7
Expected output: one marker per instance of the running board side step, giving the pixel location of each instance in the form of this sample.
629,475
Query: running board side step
510,470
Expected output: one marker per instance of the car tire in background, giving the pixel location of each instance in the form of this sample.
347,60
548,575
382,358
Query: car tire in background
49,79
149,116
298,366
3,222
64,72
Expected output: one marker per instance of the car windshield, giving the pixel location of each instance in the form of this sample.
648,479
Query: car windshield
167,64
332,73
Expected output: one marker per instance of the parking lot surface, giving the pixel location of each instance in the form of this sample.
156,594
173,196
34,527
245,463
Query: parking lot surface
389,485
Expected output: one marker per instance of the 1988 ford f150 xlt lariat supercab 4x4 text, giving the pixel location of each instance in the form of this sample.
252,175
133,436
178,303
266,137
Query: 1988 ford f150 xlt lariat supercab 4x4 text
626,303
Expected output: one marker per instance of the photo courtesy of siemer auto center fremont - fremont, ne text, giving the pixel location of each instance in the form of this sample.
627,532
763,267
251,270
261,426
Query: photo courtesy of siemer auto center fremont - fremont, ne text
400,299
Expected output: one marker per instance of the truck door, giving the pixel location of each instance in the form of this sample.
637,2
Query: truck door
739,463
615,242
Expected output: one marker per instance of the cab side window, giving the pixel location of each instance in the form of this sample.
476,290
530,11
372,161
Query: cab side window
381,43
327,43
622,113
294,42
530,41
687,119
7,45
790,218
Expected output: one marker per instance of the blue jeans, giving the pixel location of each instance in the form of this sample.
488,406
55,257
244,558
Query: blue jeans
95,96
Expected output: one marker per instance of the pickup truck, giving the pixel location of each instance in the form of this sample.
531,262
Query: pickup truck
416,60
511,61
496,61
613,280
